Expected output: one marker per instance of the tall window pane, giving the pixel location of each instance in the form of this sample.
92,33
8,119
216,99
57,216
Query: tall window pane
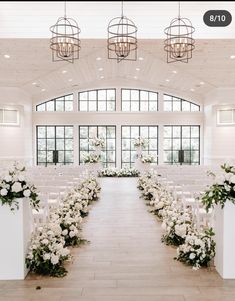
108,133
175,104
182,138
63,103
54,145
129,134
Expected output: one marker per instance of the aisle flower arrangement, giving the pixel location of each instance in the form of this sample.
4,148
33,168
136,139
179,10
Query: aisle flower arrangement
48,247
47,251
198,249
147,159
195,248
140,142
15,186
98,142
123,172
222,190
91,158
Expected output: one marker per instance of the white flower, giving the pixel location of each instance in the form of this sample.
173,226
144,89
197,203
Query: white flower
65,232
54,259
3,192
27,193
16,187
45,241
47,256
71,234
192,256
8,178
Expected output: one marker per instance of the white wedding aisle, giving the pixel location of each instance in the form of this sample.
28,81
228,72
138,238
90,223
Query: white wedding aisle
124,261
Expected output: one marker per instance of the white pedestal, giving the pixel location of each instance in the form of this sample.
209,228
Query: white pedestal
225,240
93,168
142,167
15,231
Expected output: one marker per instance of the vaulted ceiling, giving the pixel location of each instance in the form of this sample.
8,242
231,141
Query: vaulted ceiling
30,66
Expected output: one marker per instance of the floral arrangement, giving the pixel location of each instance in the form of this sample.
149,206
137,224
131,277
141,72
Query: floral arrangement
222,190
69,218
114,172
198,249
47,252
177,224
14,186
98,142
91,158
48,247
194,248
140,142
147,159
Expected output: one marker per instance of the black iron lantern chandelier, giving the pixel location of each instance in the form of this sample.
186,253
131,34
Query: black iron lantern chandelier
122,39
179,43
65,43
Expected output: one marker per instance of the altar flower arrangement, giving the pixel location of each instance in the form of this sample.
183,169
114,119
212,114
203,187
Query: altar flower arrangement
198,249
147,159
69,218
14,186
140,142
91,158
115,172
222,190
98,142
47,252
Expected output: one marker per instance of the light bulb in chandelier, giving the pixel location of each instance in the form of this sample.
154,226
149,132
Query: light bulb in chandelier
122,47
179,48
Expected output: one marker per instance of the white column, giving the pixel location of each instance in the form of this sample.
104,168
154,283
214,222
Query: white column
225,240
15,231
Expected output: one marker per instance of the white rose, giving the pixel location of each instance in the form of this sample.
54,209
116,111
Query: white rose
8,178
46,256
45,241
71,234
54,259
16,187
3,192
192,256
65,232
27,193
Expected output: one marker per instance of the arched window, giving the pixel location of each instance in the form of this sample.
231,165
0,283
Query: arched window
135,100
61,104
176,104
97,100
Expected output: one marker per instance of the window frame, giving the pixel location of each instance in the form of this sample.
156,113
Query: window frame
106,139
54,105
181,100
171,162
139,130
97,100
139,100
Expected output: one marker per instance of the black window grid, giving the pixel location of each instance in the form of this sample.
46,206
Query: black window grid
139,100
105,151
56,100
132,150
189,151
48,152
97,100
180,100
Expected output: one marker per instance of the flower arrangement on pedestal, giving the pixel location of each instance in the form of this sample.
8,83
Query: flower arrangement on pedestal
14,186
147,159
140,142
222,190
123,172
98,142
91,158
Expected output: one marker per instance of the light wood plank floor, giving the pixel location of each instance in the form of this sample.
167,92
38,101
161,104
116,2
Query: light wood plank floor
125,260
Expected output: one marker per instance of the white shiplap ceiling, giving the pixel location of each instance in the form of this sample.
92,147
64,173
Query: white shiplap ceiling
30,56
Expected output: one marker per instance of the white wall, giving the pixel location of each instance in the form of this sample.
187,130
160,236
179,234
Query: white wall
16,141
219,141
